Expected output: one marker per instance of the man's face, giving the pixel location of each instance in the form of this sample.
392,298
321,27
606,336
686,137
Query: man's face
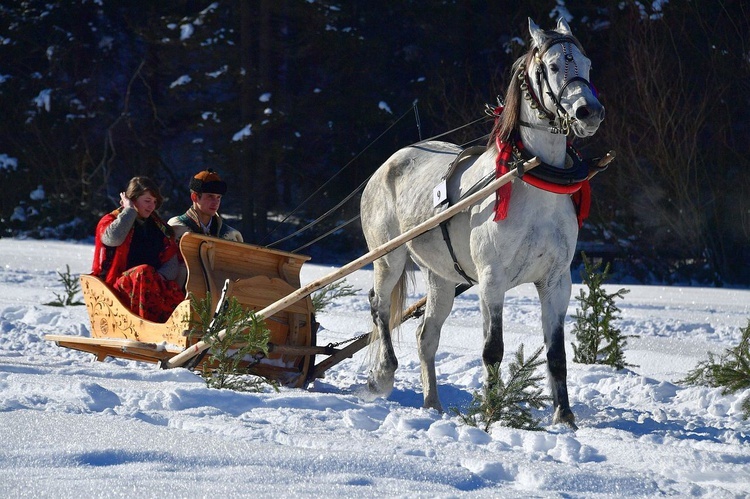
207,203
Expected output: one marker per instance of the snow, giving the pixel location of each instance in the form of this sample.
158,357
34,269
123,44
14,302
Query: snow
186,31
182,80
246,131
383,106
43,100
37,194
8,163
79,428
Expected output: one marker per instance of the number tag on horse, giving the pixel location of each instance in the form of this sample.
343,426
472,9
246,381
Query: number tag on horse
440,194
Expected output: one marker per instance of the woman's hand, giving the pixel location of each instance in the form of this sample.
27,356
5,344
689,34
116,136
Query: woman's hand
125,202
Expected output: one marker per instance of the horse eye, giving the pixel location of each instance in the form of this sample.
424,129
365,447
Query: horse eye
554,68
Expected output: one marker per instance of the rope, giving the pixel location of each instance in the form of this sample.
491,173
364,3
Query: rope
311,196
483,118
354,218
322,217
360,187
416,117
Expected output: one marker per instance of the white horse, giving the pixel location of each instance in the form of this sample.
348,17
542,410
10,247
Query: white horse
549,97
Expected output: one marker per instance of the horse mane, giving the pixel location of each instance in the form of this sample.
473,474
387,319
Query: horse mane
508,119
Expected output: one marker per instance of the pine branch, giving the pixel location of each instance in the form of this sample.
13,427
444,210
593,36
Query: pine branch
330,293
72,287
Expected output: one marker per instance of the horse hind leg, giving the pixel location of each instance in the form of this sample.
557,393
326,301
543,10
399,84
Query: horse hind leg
440,296
386,302
554,299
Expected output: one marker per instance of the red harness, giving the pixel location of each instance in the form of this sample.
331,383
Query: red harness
580,192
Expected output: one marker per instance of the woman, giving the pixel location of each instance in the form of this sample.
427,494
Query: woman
136,254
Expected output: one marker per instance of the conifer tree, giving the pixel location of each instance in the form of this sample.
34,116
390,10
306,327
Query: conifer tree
731,370
599,340
231,357
509,403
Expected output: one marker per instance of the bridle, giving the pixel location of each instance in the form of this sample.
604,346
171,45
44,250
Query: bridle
560,121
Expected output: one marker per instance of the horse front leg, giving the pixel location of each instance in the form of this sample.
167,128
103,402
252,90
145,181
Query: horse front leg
383,369
555,298
491,303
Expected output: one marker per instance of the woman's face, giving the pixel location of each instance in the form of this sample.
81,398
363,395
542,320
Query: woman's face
145,204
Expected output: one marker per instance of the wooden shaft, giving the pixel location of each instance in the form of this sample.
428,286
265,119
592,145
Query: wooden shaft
607,159
339,355
365,259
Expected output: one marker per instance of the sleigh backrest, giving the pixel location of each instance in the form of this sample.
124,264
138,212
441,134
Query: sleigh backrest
257,278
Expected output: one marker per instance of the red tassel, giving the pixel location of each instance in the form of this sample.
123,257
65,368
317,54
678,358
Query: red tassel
502,196
582,202
502,199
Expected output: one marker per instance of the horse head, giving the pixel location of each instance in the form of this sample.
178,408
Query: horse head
556,80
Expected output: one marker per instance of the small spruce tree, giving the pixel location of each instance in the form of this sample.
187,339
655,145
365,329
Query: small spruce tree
509,403
599,341
71,286
731,370
232,356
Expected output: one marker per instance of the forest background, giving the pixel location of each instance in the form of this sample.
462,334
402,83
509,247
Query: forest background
297,102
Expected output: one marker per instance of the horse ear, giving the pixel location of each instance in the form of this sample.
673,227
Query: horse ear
563,28
537,35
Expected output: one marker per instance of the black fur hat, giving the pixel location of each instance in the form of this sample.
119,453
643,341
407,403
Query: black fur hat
208,181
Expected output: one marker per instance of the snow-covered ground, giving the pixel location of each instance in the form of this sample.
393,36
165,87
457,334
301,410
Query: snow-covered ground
72,427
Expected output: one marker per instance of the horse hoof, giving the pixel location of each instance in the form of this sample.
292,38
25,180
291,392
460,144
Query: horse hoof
379,385
565,416
437,407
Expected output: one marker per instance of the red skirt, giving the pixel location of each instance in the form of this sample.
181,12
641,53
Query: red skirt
148,294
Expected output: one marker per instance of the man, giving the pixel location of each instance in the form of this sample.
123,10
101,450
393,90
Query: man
206,190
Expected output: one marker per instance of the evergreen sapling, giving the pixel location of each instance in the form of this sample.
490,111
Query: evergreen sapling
509,403
232,356
599,340
71,287
330,293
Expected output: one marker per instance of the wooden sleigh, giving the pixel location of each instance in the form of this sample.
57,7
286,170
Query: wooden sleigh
256,277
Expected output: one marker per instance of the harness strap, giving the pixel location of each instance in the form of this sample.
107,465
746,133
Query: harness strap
469,151
456,265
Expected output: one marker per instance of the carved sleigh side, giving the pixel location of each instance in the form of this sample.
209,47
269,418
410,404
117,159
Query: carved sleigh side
117,332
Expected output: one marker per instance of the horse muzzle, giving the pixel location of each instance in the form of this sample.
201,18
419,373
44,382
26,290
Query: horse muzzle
588,117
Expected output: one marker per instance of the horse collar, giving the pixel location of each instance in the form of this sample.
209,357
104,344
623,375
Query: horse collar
547,177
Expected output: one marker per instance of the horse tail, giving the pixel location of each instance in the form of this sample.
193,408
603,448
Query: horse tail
399,294
398,300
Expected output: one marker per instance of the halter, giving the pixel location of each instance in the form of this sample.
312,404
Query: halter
559,121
